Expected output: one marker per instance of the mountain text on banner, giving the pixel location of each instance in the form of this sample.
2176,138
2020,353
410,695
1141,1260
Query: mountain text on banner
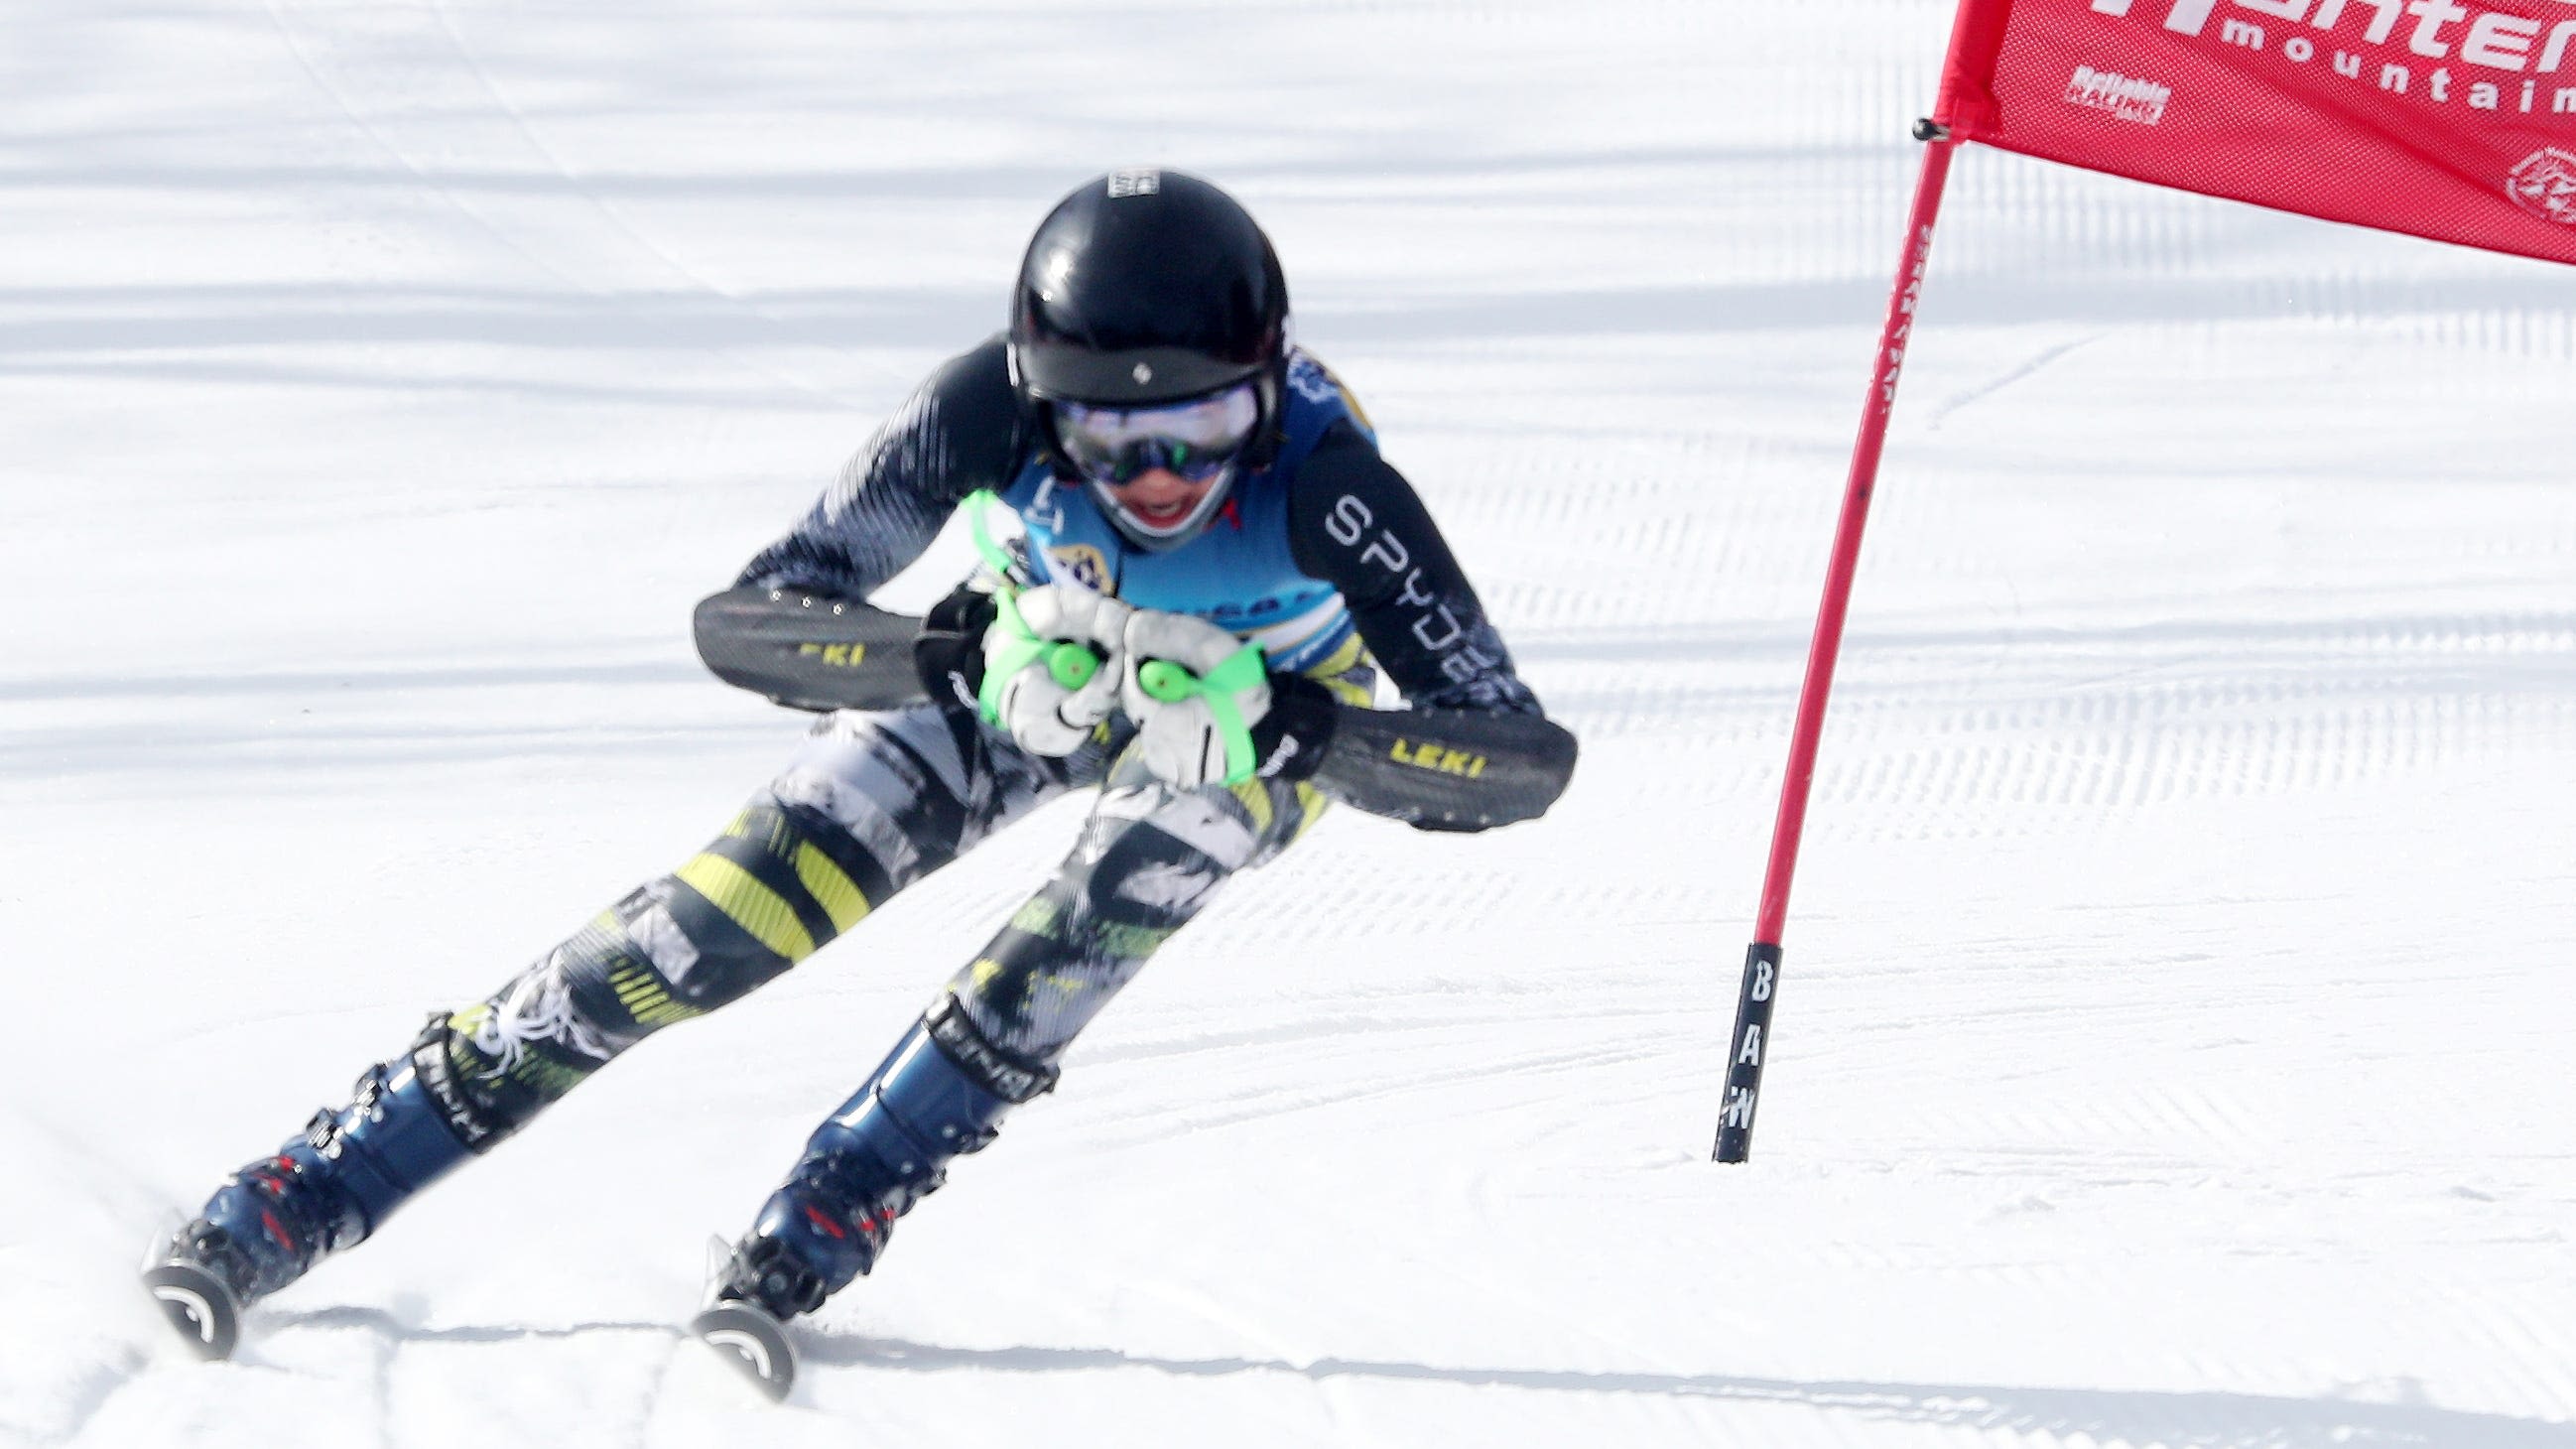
2439,118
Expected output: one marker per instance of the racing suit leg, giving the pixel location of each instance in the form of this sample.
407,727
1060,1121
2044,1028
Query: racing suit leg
871,802
1149,859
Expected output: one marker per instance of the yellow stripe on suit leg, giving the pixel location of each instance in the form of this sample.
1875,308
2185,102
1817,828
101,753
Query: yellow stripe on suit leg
832,887
751,905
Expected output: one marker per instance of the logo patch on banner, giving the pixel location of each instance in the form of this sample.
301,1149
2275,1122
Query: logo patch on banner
2545,185
2130,100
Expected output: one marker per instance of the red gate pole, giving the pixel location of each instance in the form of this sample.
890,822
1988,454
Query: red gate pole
1760,989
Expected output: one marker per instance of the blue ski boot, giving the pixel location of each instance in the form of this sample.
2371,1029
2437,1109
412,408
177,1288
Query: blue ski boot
324,1191
943,1091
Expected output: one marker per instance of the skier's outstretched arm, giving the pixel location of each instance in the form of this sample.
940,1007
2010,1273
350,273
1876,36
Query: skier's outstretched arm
796,626
1472,749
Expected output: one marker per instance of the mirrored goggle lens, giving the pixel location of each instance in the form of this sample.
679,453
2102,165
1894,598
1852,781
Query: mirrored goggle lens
1197,439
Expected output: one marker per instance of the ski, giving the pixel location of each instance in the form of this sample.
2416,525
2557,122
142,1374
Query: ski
198,1304
754,1343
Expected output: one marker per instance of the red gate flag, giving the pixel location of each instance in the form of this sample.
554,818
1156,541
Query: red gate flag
2449,119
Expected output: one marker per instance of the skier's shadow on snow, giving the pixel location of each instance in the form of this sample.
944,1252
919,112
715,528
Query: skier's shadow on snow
2109,1416
394,1327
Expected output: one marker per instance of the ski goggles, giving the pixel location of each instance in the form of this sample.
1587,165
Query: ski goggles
1197,438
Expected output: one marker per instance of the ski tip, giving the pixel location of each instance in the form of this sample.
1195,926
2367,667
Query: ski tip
754,1343
198,1304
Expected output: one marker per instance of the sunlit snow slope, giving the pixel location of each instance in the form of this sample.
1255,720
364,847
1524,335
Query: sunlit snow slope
2175,1041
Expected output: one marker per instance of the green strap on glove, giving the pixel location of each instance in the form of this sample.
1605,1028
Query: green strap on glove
1072,664
1172,683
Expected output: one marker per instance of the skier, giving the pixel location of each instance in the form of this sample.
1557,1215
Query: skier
1214,566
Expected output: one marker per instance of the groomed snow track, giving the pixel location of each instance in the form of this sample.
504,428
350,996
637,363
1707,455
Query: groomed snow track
2174,1046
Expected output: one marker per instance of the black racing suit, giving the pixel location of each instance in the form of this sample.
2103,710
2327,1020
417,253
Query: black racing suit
876,799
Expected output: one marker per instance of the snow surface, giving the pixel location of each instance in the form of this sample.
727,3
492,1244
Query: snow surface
2175,1042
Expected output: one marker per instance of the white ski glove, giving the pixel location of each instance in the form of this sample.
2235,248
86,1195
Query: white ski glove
1052,666
1195,691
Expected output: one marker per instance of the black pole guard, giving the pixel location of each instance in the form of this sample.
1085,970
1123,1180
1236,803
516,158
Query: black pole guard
1751,1044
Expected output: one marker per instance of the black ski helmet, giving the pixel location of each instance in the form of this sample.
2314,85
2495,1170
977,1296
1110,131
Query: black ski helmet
1146,287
